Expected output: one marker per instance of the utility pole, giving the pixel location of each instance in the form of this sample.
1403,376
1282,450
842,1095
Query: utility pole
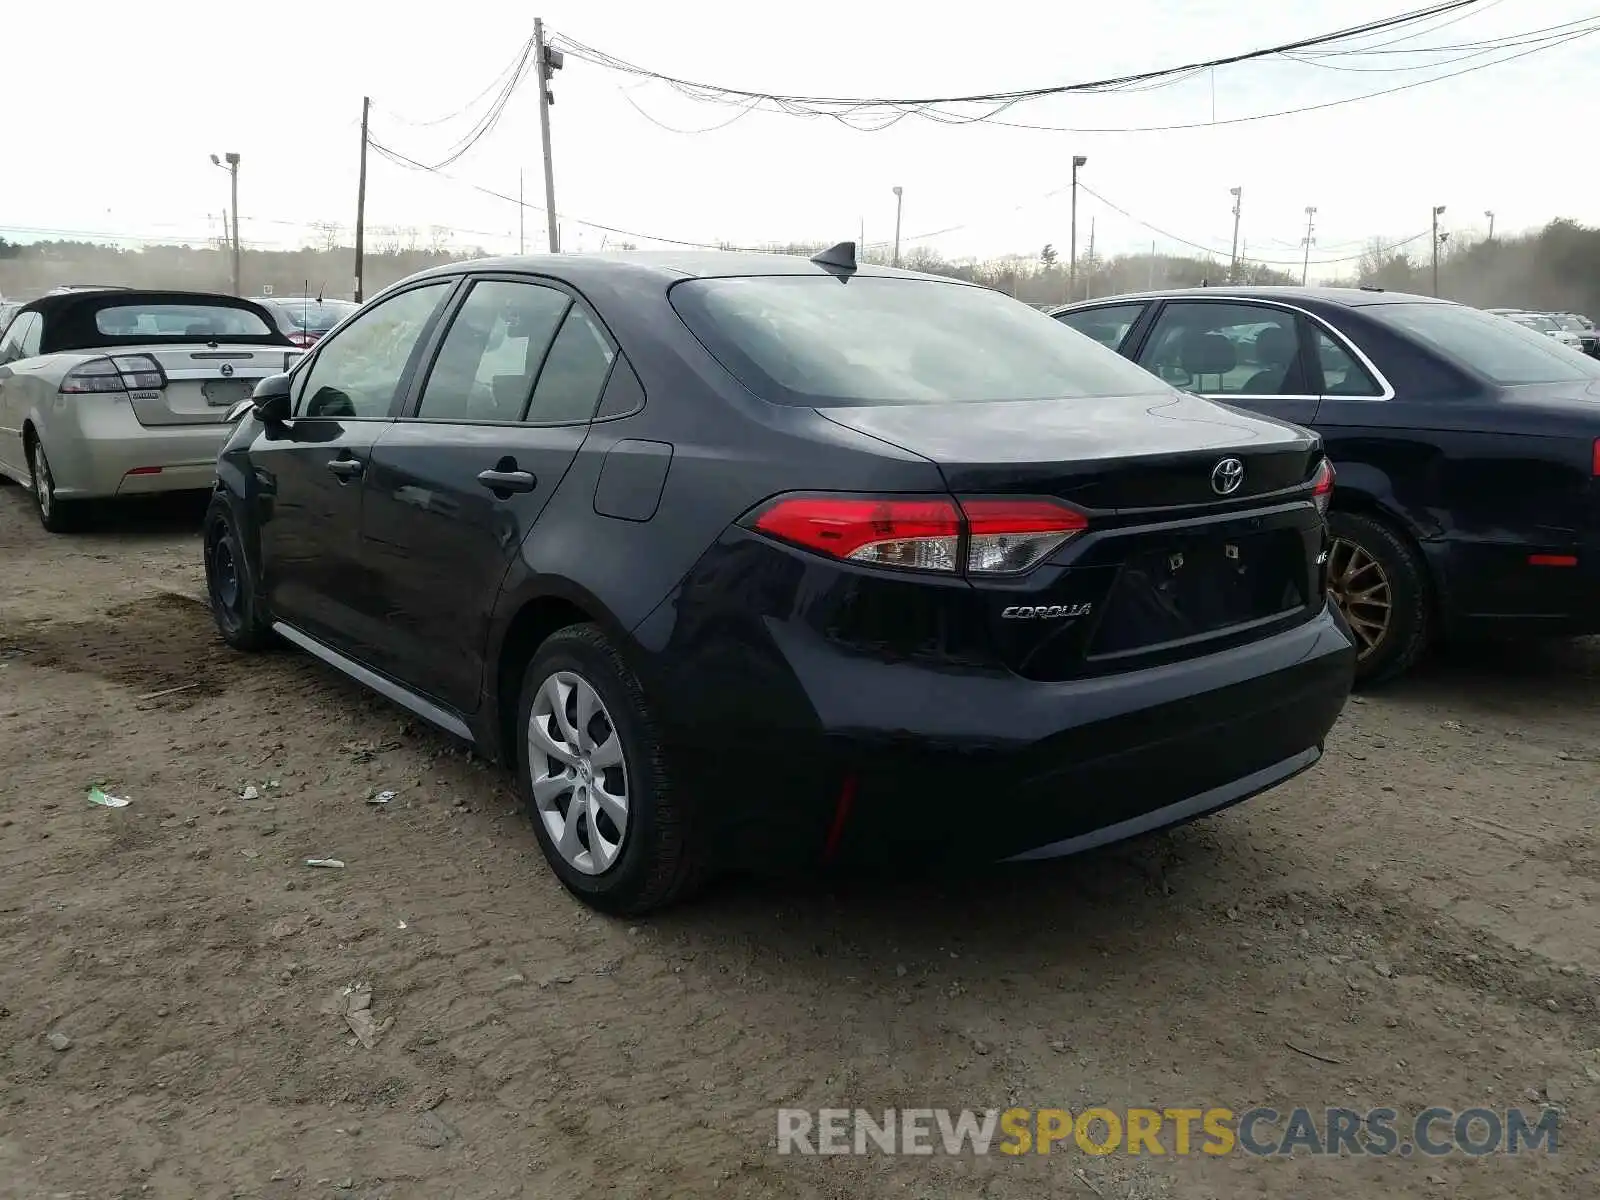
1088,275
1078,160
361,202
1309,241
1438,211
1489,212
899,201
1152,266
550,62
1233,263
522,245
230,164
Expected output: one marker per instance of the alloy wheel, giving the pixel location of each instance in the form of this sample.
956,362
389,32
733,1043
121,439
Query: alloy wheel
1361,589
578,773
44,484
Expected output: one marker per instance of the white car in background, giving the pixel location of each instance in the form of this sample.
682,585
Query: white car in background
111,393
1548,326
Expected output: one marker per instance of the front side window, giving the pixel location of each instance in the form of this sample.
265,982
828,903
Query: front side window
1226,349
1505,352
22,334
498,338
817,340
358,371
1108,325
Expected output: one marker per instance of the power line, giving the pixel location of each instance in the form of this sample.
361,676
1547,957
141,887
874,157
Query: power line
402,160
1290,112
890,110
1267,262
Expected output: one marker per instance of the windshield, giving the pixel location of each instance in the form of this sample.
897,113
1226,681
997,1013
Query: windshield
1570,323
821,341
178,320
1506,352
316,316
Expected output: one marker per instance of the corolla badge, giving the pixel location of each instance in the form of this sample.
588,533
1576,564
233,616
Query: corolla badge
1226,476
1045,612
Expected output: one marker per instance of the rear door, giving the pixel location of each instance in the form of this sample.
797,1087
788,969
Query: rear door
312,469
460,480
1242,352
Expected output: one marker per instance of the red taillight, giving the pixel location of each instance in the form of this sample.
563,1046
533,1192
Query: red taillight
120,372
1009,536
1595,465
1322,486
301,338
1002,537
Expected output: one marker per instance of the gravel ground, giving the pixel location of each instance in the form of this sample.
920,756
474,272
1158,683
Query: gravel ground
1411,924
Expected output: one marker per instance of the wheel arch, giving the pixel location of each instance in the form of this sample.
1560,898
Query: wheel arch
527,618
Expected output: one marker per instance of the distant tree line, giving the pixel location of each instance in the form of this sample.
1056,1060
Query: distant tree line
1556,268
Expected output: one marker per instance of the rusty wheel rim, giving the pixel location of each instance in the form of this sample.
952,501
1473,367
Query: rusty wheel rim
1361,589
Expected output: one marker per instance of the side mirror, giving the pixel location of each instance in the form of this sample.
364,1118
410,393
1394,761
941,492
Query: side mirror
271,400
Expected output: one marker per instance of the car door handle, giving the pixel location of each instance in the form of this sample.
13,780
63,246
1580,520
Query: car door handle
508,481
347,468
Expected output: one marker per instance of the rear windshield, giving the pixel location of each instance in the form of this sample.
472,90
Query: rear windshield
178,320
821,341
1504,351
319,316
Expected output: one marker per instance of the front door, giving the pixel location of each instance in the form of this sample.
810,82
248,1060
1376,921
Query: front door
460,480
312,469
1243,353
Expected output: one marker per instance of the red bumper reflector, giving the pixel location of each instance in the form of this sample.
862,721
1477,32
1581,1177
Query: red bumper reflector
1552,560
145,471
841,815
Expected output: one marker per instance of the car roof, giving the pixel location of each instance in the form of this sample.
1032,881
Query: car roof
666,266
1347,297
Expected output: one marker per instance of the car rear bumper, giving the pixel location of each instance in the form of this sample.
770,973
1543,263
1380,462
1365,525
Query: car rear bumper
1516,589
100,450
903,764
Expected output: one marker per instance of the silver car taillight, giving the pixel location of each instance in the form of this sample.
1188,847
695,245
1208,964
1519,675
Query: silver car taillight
119,373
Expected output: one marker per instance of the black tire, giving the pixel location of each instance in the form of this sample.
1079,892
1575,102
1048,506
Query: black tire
55,514
661,858
1410,622
230,583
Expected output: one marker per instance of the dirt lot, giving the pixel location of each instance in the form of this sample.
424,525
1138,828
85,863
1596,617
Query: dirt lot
1419,914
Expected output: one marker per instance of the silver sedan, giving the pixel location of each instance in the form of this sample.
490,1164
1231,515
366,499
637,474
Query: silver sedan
112,393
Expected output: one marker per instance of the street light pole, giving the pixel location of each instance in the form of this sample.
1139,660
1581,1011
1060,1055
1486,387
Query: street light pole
1308,242
899,200
1078,160
1438,211
230,163
1233,263
1489,212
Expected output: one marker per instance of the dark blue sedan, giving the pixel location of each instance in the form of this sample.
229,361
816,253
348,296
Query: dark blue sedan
1467,447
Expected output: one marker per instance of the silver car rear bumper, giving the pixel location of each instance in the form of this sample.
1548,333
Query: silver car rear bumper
98,449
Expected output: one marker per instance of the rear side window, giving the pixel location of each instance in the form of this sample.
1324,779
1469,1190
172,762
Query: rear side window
574,372
817,340
177,320
1503,351
1108,325
1342,375
486,367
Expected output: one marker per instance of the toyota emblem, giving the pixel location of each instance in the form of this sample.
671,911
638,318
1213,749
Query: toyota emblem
1226,476
227,370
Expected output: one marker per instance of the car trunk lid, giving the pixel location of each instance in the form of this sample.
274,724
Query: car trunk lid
1201,529
202,382
1113,453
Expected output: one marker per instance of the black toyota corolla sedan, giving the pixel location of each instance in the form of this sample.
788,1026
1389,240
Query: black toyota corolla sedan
760,561
1467,446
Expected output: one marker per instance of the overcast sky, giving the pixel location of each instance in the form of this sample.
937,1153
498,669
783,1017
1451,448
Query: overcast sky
128,102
